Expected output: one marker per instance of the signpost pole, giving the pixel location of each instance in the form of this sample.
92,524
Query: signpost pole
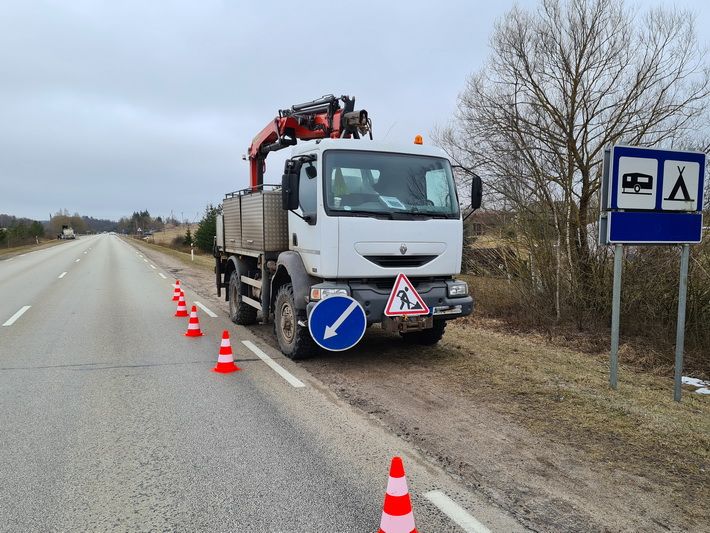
615,312
680,327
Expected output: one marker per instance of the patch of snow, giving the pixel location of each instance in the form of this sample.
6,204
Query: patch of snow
704,390
694,382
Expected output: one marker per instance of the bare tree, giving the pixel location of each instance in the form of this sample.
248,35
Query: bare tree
563,82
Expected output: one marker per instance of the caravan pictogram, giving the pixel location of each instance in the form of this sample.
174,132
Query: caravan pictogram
404,300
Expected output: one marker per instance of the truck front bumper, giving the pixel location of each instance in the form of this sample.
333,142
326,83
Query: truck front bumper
373,299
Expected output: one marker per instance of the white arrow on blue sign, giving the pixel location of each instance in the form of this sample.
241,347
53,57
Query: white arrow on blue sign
337,323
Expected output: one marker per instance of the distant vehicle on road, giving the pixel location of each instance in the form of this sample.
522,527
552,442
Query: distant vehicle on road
67,233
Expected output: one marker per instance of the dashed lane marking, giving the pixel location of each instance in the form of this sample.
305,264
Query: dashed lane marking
10,321
86,252
455,512
162,275
152,266
62,275
209,313
281,371
145,260
77,260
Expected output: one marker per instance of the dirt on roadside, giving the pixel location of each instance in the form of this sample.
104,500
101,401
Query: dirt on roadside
530,424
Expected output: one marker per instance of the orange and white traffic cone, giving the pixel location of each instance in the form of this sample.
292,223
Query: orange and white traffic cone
181,307
176,292
397,515
193,326
225,360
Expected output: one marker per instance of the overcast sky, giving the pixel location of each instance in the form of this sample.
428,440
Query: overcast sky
110,107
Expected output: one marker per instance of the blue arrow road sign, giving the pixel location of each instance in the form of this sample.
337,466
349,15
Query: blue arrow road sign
337,323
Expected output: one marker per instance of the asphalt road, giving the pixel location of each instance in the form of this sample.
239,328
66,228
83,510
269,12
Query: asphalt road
110,419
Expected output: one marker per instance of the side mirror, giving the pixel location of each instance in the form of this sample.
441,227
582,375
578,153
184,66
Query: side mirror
476,191
289,191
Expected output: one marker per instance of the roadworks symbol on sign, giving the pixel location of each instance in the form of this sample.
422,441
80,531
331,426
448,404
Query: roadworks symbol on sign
404,299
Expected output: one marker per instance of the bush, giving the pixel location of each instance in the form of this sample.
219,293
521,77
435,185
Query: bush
206,231
187,240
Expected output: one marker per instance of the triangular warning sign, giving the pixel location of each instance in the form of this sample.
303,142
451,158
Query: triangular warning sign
404,299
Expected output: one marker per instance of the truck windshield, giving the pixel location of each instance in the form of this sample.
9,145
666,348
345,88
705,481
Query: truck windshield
372,183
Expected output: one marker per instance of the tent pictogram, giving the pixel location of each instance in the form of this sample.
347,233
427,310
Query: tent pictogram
404,299
679,186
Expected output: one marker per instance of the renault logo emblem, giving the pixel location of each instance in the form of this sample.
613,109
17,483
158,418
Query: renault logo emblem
403,249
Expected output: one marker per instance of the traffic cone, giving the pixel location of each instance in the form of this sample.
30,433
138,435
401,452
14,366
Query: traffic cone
181,308
193,326
176,292
225,360
397,515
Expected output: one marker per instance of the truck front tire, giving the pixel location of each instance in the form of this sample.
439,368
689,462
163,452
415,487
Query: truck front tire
427,337
241,313
295,341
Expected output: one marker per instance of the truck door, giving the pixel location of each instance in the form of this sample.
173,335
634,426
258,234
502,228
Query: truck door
303,234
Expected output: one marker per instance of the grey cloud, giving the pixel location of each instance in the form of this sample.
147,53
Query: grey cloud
107,107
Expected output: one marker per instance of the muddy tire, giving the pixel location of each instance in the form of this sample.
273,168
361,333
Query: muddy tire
240,312
428,337
295,341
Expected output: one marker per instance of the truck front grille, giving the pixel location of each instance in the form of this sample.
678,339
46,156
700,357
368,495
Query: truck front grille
397,261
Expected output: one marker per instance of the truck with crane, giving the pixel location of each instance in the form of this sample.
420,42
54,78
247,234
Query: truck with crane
349,215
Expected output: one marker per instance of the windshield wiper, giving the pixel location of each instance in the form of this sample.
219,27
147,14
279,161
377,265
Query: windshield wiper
367,213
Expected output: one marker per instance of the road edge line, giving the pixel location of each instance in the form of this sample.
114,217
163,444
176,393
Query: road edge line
281,371
210,313
455,512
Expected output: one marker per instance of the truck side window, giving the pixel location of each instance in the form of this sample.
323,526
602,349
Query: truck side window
307,194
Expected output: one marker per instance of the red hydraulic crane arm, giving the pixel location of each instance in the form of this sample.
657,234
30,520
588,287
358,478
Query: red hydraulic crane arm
318,119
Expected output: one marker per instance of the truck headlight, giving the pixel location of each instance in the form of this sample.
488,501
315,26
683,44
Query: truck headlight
457,288
322,294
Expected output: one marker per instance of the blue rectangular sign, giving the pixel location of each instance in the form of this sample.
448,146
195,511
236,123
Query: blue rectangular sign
638,227
653,196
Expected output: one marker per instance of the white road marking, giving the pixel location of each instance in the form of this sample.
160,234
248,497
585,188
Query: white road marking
281,371
77,260
152,266
86,252
209,313
162,275
62,275
455,512
10,321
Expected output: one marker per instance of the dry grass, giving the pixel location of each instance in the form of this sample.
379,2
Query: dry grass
15,250
167,236
563,395
205,262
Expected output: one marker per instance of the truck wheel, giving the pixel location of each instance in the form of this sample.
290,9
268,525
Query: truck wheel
241,313
427,337
295,341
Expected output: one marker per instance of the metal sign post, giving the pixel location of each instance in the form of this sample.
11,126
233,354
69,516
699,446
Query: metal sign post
615,313
680,327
